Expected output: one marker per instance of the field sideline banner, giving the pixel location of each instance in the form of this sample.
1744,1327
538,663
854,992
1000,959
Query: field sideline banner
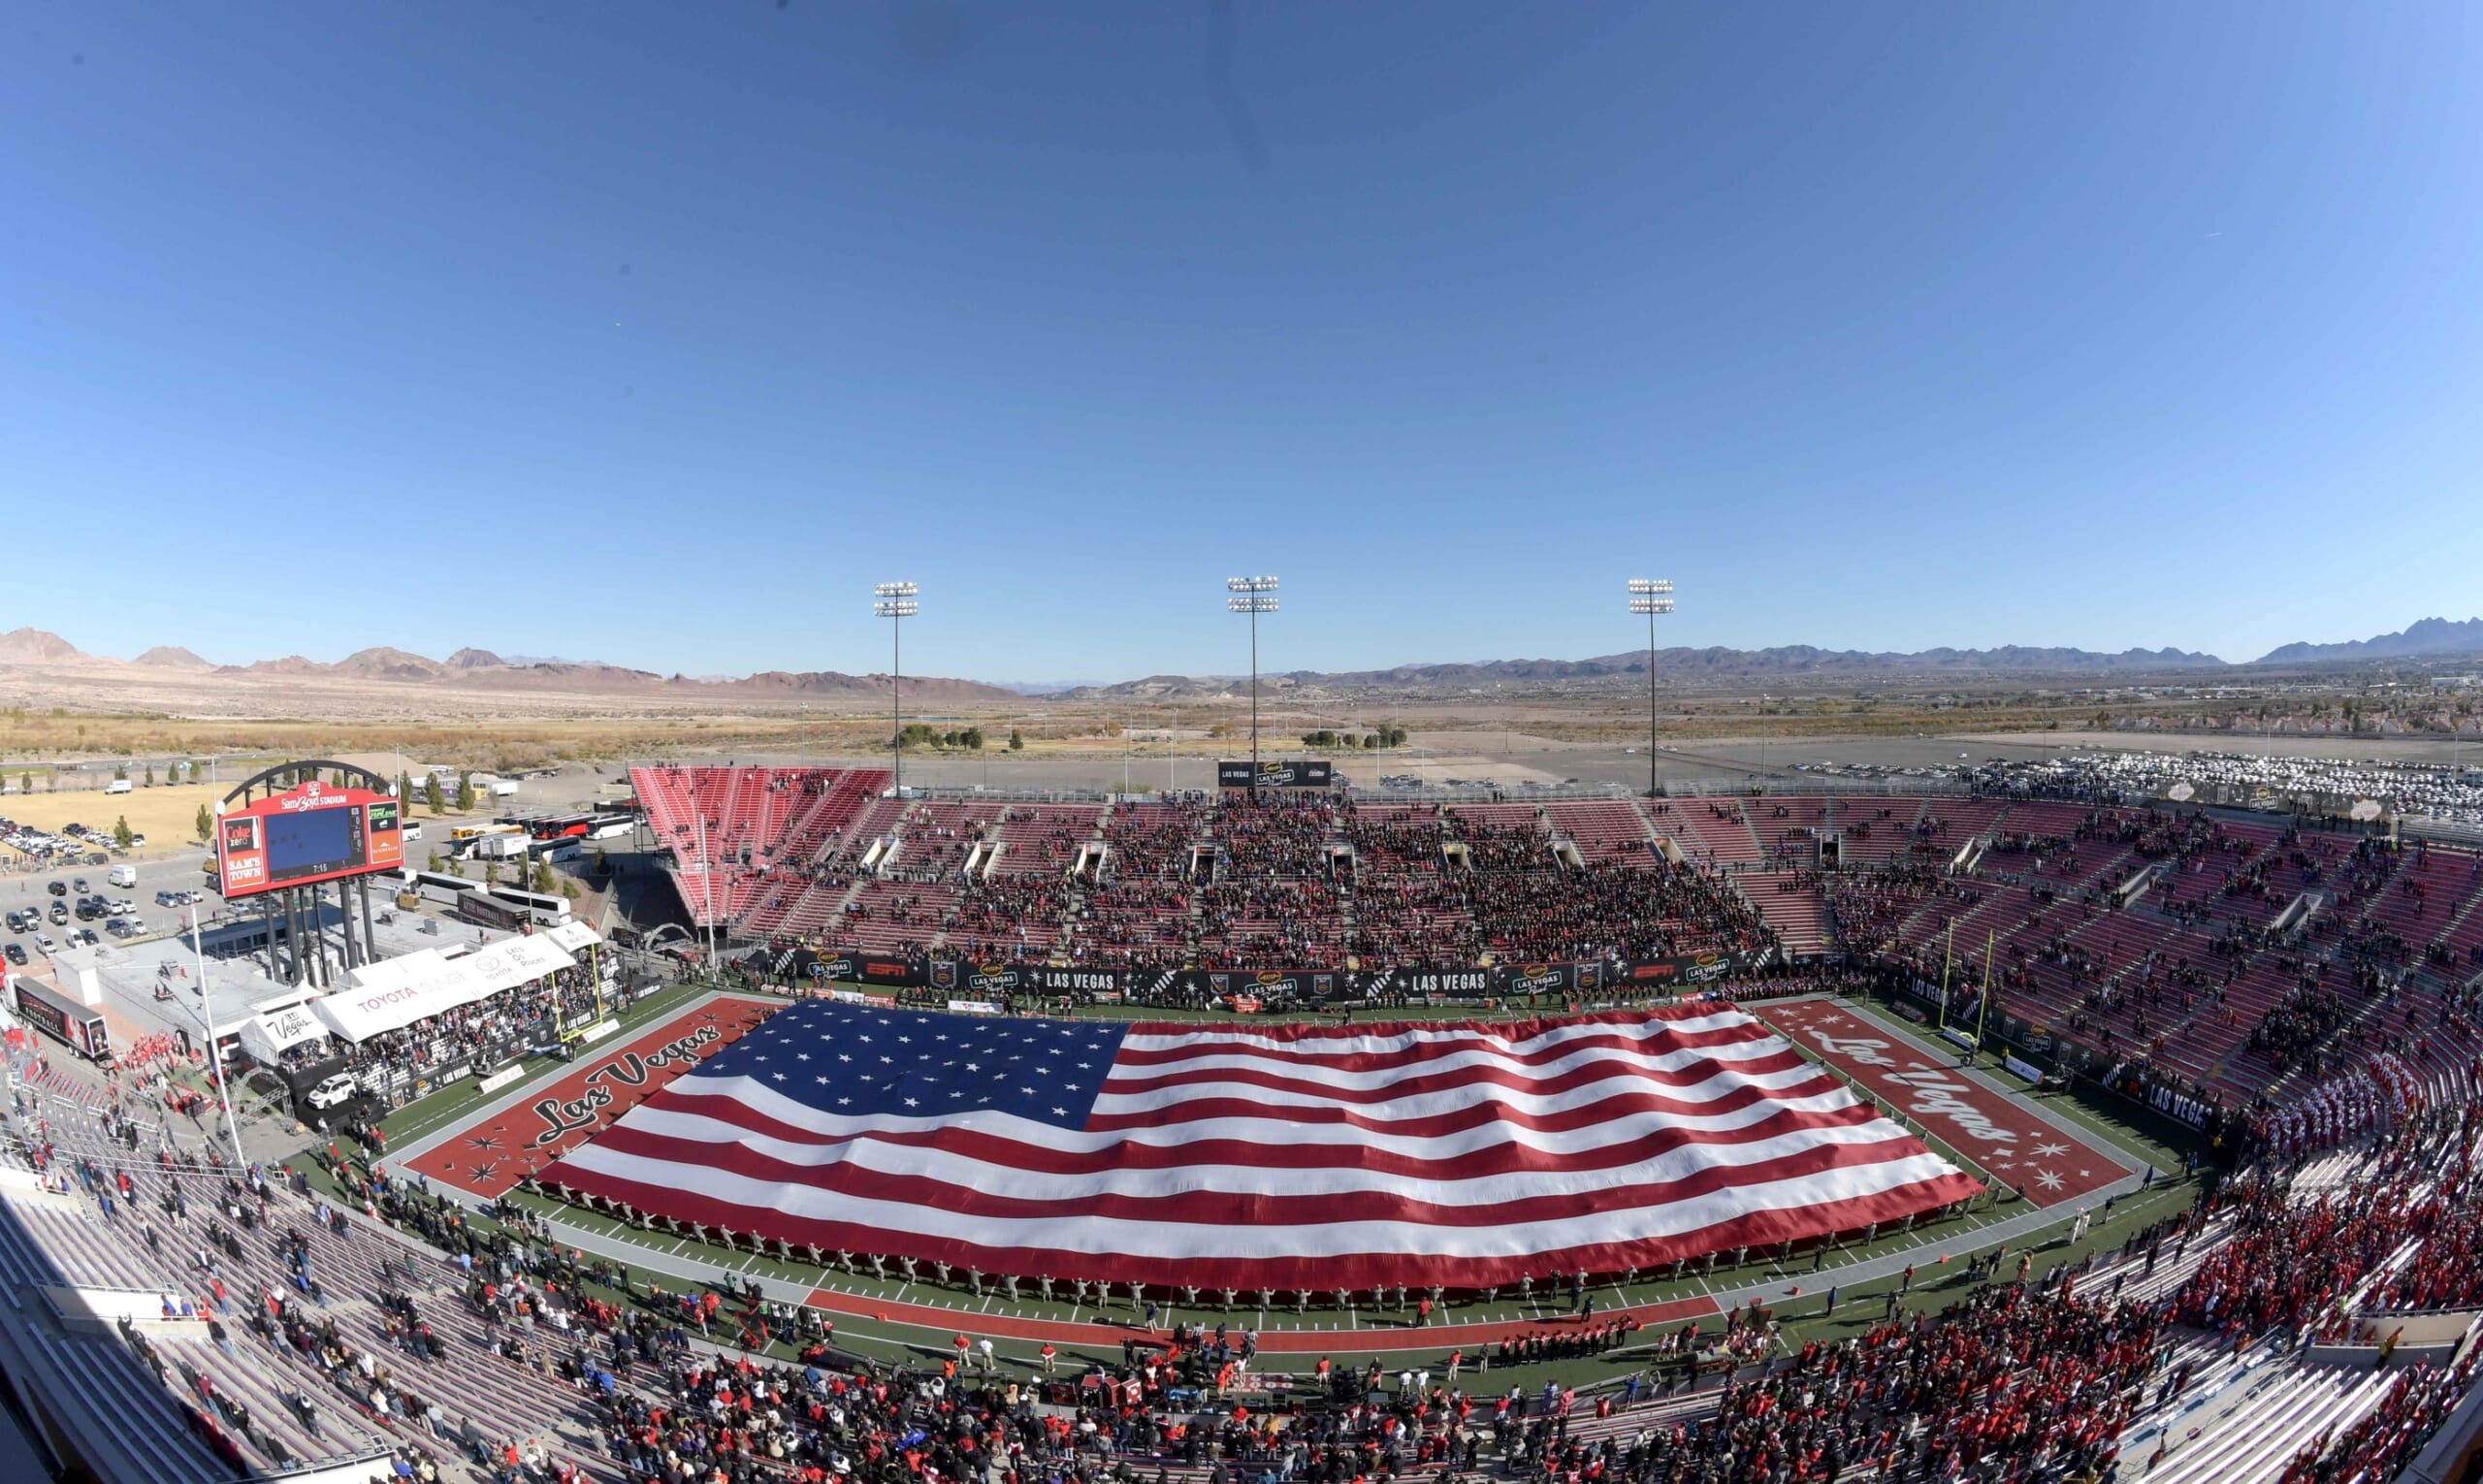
1264,988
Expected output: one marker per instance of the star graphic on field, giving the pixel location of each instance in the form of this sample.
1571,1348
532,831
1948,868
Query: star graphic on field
2047,1179
2051,1148
484,1141
486,1171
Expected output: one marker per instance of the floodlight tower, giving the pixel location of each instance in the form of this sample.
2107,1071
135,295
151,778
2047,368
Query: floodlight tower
895,602
1253,596
1650,596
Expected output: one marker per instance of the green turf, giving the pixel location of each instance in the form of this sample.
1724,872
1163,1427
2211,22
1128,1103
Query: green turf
1859,1304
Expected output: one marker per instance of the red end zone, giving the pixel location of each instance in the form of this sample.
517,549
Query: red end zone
1998,1133
492,1153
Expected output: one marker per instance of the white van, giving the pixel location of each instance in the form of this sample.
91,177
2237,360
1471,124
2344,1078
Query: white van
120,786
123,876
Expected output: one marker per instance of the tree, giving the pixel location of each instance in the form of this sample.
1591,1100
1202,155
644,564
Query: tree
464,793
971,737
434,857
1016,740
545,881
205,824
25,782
492,871
120,772
430,793
121,832
457,868
405,788
150,775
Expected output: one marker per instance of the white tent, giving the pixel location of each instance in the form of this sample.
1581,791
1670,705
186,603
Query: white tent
269,1034
570,936
414,987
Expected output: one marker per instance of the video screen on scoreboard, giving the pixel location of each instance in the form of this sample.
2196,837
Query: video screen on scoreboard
313,842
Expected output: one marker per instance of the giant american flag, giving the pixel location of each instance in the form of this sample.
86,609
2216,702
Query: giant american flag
1284,1156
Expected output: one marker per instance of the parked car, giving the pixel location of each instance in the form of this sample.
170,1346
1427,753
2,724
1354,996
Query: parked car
332,1092
56,888
16,952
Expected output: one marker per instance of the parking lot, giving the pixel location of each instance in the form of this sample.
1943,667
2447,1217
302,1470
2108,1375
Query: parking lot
27,878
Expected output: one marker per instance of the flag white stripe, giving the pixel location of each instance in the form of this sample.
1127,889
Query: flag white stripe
937,1167
1447,1100
1271,1131
1676,1060
1176,1241
1403,1042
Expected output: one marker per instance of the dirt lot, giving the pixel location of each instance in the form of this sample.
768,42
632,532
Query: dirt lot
166,815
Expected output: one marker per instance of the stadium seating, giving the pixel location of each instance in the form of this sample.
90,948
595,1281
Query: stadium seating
1603,829
1711,830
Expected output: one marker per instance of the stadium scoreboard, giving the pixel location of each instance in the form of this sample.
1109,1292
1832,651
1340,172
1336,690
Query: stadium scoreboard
1300,773
317,832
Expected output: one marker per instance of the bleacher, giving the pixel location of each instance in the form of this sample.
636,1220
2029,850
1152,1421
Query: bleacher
1791,905
1602,829
1712,832
1788,830
1045,837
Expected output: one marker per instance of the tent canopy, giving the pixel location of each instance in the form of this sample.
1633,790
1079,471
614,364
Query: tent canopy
267,1036
414,987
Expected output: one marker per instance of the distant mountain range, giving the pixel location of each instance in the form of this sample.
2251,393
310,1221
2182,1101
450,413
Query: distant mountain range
482,668
2427,636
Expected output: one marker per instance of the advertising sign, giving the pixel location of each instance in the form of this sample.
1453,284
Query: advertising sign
1298,773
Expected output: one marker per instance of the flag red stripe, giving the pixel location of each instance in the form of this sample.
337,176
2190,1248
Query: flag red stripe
1757,1230
1499,1159
1204,1207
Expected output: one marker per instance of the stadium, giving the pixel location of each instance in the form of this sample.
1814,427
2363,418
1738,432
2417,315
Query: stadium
660,821
1651,1116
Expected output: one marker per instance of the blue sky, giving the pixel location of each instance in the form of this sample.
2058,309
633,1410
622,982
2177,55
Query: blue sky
661,332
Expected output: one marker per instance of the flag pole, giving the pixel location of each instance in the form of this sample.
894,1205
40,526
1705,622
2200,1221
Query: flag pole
1983,1013
1946,954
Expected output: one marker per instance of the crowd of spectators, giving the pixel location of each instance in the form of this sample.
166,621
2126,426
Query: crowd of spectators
484,1033
1274,833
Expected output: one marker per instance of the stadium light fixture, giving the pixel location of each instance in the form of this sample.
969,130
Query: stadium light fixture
1253,596
1650,596
895,602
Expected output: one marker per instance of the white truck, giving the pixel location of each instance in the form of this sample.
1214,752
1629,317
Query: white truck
500,846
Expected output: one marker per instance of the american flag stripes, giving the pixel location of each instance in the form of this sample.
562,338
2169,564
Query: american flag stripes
1284,1156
